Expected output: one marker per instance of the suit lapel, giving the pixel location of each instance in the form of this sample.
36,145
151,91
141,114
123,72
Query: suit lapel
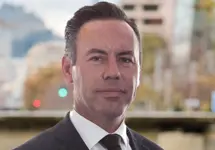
68,135
70,139
134,141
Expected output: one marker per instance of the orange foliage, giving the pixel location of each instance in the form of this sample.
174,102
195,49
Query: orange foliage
36,84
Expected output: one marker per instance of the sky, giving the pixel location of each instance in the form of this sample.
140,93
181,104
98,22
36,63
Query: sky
55,13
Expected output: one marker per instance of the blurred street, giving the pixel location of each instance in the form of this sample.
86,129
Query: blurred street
175,102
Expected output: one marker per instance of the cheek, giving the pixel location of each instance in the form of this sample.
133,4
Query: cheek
77,78
132,82
92,71
130,74
90,76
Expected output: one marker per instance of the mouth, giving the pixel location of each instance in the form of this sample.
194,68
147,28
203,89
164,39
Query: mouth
111,90
111,93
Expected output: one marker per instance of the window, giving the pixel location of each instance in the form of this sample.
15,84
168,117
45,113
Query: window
152,21
150,7
128,7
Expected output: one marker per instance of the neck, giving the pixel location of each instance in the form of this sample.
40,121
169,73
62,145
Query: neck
108,123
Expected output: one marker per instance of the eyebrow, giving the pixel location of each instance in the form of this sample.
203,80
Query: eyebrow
128,52
96,51
103,52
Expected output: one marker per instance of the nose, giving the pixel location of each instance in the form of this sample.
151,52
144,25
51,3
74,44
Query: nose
112,70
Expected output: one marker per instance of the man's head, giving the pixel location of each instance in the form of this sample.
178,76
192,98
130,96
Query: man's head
102,60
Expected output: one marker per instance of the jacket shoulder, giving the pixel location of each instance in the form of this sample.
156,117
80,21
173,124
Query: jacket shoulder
44,140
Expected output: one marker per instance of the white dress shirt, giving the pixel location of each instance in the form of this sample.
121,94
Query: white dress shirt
91,134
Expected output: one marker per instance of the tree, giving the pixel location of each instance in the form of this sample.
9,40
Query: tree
146,95
151,43
206,84
36,84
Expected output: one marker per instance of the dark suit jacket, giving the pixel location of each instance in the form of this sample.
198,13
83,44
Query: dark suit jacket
64,136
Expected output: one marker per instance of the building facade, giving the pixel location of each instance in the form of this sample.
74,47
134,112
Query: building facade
152,16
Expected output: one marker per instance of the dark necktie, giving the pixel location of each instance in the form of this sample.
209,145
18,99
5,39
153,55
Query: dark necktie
111,142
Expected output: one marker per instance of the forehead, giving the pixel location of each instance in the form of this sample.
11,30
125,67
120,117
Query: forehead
106,34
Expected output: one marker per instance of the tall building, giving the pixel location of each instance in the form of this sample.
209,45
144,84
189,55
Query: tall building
20,30
5,43
54,96
152,16
37,56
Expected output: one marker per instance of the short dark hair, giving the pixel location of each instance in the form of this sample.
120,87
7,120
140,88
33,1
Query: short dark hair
100,10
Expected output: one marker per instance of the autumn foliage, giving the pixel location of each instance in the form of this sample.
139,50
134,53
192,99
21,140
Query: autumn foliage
37,83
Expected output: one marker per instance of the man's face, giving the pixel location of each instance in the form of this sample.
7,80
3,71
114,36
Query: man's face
106,73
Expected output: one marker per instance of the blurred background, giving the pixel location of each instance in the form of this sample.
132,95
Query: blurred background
175,104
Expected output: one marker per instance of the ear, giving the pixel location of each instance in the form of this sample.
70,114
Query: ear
67,69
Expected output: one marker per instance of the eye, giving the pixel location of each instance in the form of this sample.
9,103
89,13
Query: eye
96,58
126,60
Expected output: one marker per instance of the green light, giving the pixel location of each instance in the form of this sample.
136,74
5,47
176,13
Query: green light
62,92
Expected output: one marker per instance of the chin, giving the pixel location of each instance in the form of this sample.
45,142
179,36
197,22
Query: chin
114,113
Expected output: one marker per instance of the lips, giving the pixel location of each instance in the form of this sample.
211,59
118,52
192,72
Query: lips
111,90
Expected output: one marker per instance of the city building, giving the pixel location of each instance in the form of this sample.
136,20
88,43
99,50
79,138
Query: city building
20,30
13,89
57,95
5,39
44,54
152,16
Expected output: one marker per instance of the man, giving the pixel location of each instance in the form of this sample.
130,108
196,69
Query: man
102,63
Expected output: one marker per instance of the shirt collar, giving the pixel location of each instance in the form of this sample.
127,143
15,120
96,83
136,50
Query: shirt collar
91,133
